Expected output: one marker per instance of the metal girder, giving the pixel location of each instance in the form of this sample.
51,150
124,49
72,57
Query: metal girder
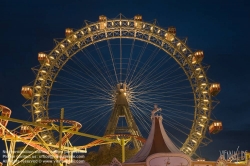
48,127
121,109
14,138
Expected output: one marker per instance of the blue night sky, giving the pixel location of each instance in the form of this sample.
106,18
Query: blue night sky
219,28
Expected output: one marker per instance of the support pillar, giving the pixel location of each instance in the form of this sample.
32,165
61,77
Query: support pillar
123,149
60,136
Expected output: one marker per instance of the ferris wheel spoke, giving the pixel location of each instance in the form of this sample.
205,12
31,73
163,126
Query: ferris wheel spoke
77,99
166,96
72,106
85,109
169,114
77,75
162,90
94,121
80,89
98,131
176,123
149,82
172,110
112,58
142,108
139,101
120,59
85,119
87,71
180,109
130,60
147,64
146,102
157,98
149,79
138,60
168,110
77,72
170,79
144,115
97,115
154,67
144,105
142,121
179,103
173,121
91,110
168,92
72,91
150,67
169,103
77,102
173,114
156,88
81,117
77,96
175,128
175,138
95,64
104,63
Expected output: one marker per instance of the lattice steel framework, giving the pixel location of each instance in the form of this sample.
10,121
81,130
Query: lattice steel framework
131,29
121,109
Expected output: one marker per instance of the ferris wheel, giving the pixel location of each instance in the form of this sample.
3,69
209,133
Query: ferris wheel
82,71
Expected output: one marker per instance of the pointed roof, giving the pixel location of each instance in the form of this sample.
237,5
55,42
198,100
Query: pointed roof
157,142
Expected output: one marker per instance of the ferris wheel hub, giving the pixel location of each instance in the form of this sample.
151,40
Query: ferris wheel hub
122,89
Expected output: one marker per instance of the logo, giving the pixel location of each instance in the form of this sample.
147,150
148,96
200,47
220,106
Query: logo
232,155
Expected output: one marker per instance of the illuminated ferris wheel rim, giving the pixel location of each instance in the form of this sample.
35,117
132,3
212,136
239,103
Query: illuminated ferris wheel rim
136,29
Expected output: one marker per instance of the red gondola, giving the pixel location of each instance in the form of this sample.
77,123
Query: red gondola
215,127
26,91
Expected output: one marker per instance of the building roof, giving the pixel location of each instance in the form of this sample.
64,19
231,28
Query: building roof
157,142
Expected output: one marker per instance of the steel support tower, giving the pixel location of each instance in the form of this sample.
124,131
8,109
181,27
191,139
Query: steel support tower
121,109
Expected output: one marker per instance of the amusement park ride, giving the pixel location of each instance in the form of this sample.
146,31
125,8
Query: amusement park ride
38,132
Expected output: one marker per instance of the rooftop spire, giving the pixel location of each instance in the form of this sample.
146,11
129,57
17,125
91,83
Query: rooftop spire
157,142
